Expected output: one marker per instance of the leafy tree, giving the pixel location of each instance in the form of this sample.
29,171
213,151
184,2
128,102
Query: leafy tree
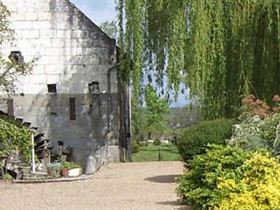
157,108
223,50
138,121
12,137
6,34
110,28
14,67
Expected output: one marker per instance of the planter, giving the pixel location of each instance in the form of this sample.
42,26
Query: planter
74,172
54,170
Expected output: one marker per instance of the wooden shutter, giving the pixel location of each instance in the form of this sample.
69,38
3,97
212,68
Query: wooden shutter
72,108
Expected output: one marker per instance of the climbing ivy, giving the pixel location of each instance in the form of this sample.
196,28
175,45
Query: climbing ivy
221,49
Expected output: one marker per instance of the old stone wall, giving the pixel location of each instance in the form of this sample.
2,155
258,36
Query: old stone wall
72,52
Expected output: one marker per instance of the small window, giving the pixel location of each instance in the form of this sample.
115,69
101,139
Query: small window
94,88
52,88
72,108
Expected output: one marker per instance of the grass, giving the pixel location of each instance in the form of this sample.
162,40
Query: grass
156,153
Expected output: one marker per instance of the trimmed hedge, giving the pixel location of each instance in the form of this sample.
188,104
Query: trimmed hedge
194,140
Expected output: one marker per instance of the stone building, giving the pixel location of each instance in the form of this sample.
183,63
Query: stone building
73,94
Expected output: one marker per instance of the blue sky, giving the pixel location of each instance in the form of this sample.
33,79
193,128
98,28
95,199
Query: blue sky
98,10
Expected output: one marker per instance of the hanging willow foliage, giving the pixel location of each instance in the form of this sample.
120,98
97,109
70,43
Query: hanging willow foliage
225,49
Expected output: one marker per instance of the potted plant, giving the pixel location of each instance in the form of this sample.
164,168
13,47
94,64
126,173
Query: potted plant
54,170
70,169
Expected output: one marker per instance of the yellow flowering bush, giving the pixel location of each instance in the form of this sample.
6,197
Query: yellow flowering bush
260,186
198,186
228,178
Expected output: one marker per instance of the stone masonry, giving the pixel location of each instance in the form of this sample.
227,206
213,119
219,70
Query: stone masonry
72,53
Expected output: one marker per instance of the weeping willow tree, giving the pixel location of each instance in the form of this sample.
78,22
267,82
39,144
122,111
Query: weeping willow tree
222,49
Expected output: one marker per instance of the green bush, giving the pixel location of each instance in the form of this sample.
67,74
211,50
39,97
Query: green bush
193,141
229,178
135,146
69,165
198,186
156,142
258,189
14,138
254,133
7,178
268,128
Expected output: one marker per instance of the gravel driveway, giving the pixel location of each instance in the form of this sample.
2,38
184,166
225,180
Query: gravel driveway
130,186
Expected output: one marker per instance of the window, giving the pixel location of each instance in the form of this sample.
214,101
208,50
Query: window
52,88
72,108
94,88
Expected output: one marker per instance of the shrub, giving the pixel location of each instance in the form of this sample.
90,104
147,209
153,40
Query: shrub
135,146
194,140
258,125
14,138
269,131
198,186
255,106
247,135
259,187
7,178
253,133
230,178
69,165
156,142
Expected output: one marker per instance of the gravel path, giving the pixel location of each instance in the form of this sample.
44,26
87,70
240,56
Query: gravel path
131,186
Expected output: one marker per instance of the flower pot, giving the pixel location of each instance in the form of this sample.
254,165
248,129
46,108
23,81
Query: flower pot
74,172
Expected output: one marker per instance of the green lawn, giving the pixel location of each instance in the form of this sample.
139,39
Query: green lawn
156,152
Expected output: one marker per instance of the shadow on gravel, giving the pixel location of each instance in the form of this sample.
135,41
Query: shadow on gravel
178,204
170,203
185,208
163,179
